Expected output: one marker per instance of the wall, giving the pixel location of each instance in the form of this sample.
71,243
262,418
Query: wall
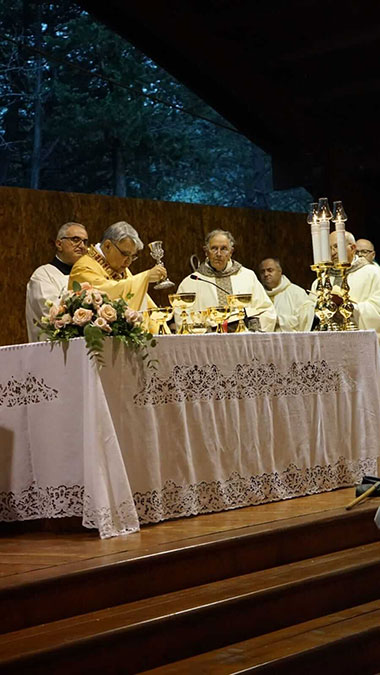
29,220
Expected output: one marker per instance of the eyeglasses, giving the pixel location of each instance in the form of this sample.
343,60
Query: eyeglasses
77,240
365,251
125,254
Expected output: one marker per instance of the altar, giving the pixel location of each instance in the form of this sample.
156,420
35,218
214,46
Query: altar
221,422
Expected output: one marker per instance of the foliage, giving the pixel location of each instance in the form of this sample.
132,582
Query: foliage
98,116
86,312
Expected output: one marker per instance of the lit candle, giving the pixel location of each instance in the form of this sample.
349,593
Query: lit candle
339,217
324,215
312,219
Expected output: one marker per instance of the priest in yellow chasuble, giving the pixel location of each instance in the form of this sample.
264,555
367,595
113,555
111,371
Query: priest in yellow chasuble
105,267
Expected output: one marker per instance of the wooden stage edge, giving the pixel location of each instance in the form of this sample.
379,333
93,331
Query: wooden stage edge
31,551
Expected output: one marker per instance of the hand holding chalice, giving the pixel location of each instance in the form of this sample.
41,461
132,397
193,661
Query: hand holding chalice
157,253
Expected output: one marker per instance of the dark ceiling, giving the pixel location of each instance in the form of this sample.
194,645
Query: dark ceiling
299,77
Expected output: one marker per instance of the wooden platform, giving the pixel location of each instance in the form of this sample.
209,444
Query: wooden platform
272,588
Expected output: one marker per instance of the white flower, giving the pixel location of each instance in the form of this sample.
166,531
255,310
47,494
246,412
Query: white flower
102,323
82,316
107,312
132,316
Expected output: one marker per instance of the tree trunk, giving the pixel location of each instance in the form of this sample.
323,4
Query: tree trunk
119,182
37,131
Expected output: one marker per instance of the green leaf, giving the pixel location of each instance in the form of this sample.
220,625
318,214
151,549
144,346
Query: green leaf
76,286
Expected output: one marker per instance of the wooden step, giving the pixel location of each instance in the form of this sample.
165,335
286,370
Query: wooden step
151,632
75,588
344,642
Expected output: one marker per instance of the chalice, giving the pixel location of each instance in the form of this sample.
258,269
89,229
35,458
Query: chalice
198,325
157,253
182,301
239,302
158,316
218,315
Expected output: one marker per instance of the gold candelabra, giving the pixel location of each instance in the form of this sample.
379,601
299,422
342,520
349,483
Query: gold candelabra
332,315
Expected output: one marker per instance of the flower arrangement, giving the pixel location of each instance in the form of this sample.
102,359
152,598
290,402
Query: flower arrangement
89,313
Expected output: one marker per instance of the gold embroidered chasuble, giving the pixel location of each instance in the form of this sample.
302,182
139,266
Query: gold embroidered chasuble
94,269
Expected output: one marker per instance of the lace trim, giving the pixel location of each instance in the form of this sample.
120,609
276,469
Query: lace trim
247,380
23,392
64,501
178,501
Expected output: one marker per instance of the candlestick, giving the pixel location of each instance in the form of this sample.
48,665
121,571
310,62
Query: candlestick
324,216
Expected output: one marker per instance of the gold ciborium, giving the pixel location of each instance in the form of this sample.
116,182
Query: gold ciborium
157,318
198,322
239,302
182,301
218,315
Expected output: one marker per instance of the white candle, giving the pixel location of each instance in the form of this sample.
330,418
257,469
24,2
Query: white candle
324,226
316,242
341,241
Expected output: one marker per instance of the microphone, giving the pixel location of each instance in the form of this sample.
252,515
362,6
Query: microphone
194,276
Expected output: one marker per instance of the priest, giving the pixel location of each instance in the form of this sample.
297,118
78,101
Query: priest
293,307
364,283
106,267
220,275
49,281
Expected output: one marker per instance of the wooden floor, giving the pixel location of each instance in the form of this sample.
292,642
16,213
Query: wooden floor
23,552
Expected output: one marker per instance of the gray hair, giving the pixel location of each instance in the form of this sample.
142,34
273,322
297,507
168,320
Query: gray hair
122,230
63,229
225,233
275,260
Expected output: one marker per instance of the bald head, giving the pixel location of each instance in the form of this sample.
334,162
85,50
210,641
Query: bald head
366,249
270,273
350,245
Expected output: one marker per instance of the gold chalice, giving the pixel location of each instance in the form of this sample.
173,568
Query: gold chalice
198,319
239,302
182,301
218,315
157,318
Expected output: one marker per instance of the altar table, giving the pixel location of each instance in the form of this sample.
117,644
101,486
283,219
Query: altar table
224,421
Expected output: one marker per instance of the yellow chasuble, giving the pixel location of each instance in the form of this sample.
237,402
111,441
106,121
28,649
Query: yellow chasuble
94,269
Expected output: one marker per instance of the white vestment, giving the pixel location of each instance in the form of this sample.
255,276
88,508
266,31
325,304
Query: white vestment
294,308
243,281
364,286
46,283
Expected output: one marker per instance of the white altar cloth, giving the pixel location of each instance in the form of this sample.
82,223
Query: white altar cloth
225,421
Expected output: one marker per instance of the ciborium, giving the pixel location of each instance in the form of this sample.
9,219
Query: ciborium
218,315
182,301
240,301
157,253
157,319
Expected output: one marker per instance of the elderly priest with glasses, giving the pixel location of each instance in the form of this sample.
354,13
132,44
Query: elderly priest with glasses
49,281
105,267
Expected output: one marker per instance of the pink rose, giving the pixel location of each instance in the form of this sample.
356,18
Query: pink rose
97,298
58,324
102,323
107,312
53,311
85,286
82,316
132,316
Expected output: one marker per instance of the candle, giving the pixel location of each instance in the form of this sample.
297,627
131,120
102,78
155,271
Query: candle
339,218
316,242
324,215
